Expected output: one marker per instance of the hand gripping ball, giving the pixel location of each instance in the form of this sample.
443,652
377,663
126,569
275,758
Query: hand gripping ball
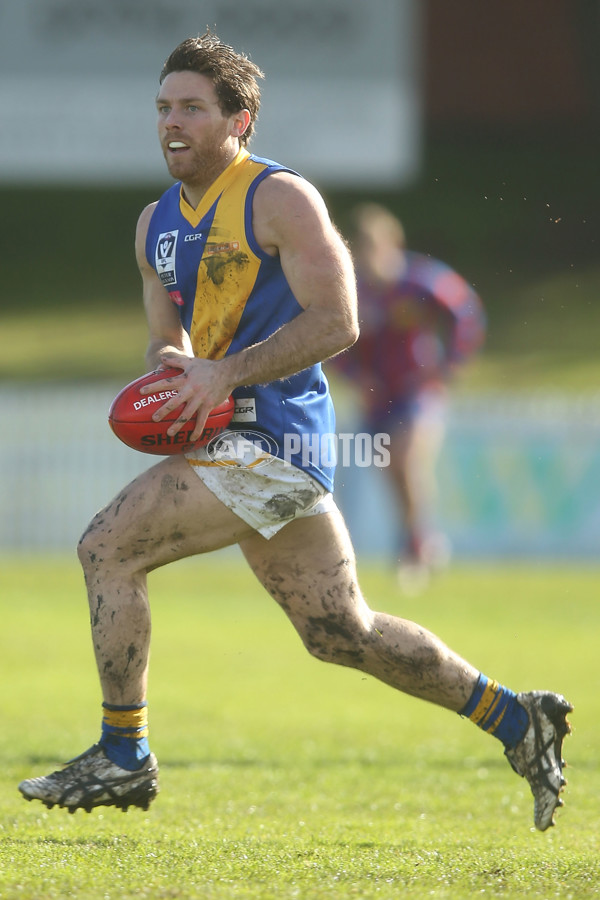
130,417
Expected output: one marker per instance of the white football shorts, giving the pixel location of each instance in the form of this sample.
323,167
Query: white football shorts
266,494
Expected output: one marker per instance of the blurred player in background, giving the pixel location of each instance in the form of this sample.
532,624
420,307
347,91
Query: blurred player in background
419,321
247,287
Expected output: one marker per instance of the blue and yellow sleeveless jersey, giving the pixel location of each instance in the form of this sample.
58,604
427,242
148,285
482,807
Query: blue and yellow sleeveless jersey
231,294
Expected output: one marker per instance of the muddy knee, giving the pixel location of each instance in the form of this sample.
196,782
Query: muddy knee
90,545
336,638
102,547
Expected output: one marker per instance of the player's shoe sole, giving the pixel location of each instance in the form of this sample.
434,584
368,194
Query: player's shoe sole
538,756
92,780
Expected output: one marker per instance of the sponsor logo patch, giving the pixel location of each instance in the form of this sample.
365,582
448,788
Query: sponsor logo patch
223,247
245,410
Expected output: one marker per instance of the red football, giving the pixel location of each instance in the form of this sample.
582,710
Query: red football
130,417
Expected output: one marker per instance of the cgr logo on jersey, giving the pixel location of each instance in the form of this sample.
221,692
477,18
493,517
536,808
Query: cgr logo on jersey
166,247
245,409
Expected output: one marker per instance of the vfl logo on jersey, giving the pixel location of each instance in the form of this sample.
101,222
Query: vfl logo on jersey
165,256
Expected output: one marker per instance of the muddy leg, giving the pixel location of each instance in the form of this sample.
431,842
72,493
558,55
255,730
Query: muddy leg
309,568
165,514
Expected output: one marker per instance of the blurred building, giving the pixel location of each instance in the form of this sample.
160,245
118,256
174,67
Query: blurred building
512,66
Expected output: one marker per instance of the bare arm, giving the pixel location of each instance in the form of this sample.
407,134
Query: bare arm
290,219
166,333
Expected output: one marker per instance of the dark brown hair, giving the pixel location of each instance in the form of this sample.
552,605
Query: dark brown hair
232,74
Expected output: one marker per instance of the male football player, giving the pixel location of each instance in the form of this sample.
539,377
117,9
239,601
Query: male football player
247,287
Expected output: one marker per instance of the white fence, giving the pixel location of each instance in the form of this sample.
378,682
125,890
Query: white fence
519,477
59,463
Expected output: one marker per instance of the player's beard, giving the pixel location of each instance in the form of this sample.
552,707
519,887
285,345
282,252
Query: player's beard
199,166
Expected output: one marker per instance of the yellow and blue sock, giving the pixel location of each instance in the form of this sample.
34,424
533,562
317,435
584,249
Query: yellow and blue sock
125,734
495,709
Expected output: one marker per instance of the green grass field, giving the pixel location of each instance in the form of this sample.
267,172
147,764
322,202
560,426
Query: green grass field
282,777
